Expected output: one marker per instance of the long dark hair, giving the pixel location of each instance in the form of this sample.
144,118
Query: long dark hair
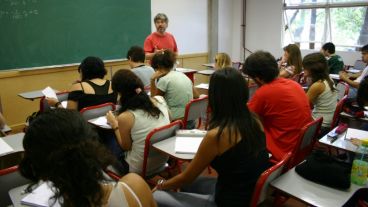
228,96
163,60
295,57
317,66
60,146
362,95
92,67
132,94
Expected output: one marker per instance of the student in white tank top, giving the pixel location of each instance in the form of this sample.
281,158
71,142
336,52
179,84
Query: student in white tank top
321,93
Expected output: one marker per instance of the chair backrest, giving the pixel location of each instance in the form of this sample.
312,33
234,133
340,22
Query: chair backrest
196,109
342,90
10,178
153,156
261,189
44,106
96,111
307,138
338,110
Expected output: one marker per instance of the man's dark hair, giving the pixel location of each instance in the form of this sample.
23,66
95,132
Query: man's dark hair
364,48
262,65
330,47
136,54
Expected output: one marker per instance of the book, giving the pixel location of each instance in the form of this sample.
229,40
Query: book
41,197
187,145
5,148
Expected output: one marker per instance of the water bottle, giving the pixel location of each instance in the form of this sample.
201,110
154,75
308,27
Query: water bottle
359,171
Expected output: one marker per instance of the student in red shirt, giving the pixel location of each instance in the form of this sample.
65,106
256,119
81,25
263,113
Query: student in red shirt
281,104
160,40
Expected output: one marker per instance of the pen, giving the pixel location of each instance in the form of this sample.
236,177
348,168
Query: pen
333,139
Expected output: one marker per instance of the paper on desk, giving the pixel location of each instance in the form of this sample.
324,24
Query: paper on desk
203,86
100,121
187,145
335,76
40,197
356,133
353,70
5,148
64,104
49,92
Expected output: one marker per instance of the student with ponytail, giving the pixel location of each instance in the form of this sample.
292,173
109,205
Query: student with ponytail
138,115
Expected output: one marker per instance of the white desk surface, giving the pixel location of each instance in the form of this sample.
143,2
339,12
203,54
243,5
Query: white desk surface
340,142
335,76
186,70
310,192
33,94
206,72
167,146
16,195
15,141
210,65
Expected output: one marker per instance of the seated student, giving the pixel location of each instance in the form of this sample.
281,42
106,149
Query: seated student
139,114
61,147
321,93
222,60
354,84
281,104
136,57
335,62
234,146
291,63
175,87
93,88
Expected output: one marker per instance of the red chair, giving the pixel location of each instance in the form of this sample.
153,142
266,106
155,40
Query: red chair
96,111
10,178
44,105
196,109
308,137
261,190
153,156
338,110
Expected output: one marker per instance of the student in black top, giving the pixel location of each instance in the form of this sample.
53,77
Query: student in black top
234,146
92,90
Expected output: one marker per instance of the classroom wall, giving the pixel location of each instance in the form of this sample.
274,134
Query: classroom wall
188,22
263,29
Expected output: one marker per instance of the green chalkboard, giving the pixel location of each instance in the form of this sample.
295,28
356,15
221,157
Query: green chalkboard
53,32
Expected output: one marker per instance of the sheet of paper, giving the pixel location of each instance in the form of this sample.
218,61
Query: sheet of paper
187,145
335,76
49,92
352,70
183,70
64,104
101,122
356,133
191,133
203,86
40,197
5,148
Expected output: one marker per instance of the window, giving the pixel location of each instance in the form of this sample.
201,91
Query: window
311,23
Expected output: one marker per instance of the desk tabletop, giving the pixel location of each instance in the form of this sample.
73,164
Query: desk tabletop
33,94
310,192
206,72
210,65
15,141
167,146
186,70
340,142
16,195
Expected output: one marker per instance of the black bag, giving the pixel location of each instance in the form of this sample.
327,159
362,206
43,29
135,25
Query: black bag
325,170
351,107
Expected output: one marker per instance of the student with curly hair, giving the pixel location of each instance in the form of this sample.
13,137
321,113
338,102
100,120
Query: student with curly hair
61,147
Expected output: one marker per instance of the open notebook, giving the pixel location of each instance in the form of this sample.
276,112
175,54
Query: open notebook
40,197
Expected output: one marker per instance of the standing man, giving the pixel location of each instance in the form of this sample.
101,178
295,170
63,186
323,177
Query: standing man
335,62
160,40
281,104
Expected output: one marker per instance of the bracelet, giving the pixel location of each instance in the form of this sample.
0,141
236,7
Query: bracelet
57,104
160,183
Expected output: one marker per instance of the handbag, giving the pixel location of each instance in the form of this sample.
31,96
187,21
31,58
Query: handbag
325,170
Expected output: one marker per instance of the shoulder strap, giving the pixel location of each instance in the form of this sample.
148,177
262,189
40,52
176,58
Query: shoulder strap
132,192
81,86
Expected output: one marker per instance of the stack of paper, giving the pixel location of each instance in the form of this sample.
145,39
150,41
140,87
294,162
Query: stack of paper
187,145
40,197
5,148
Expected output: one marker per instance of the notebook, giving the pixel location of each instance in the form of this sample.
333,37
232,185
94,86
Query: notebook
40,197
356,133
187,145
5,148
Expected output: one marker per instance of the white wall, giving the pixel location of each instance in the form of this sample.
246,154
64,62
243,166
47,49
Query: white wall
188,22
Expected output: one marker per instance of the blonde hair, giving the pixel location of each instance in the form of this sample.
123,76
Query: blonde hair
222,60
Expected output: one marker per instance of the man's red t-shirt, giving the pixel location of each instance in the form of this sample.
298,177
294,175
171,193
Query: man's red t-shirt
157,41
